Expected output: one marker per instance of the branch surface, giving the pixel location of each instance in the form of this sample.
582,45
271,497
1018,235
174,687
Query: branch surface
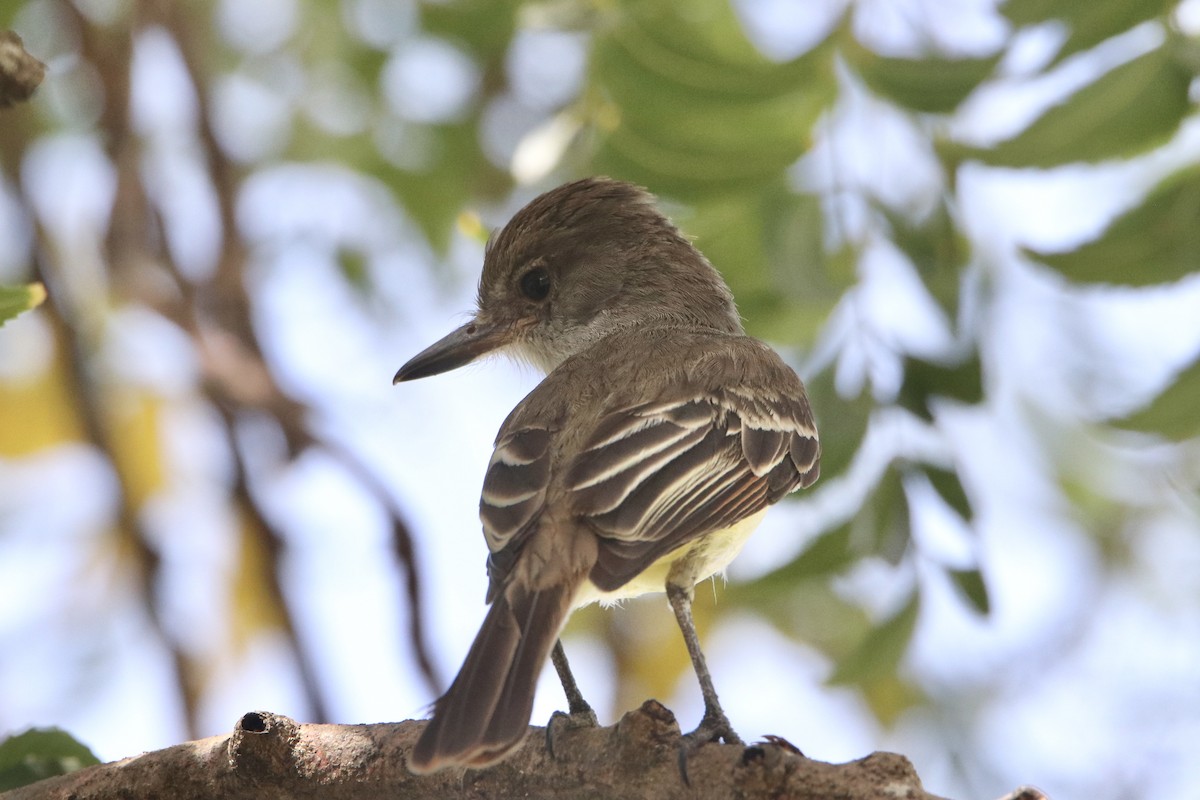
269,756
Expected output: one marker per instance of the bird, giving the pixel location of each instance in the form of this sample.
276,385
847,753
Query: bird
640,463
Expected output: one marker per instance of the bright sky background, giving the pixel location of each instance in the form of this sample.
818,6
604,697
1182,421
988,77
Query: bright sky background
1085,687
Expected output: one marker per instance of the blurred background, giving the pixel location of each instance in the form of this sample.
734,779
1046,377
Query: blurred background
973,228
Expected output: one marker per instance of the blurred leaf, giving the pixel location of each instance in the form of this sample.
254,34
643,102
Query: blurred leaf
971,585
1174,414
38,754
457,171
45,409
841,422
352,264
948,486
924,380
1156,242
768,246
645,646
806,282
701,45
807,611
254,604
827,555
15,299
1089,23
470,225
436,195
8,12
137,445
698,110
484,27
890,696
1032,12
884,521
1126,111
450,171
1107,519
879,653
931,85
938,249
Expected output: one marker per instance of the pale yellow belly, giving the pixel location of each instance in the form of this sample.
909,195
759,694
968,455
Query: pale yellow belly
713,553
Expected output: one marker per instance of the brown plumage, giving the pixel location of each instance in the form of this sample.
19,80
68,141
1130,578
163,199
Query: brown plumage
639,464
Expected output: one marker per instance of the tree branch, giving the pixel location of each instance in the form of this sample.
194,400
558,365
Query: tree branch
269,755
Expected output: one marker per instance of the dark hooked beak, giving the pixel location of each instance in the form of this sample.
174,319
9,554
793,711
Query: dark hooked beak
462,346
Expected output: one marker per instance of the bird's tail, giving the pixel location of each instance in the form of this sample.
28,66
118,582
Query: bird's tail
485,712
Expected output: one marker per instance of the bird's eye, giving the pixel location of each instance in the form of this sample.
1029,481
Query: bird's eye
535,284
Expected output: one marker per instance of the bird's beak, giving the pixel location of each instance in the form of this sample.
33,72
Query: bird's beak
460,347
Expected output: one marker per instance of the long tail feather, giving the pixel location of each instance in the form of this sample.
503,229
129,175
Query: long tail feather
485,713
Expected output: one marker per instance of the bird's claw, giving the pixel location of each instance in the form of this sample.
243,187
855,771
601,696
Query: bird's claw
561,722
714,727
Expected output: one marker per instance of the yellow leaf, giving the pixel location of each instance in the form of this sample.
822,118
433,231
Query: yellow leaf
38,413
134,419
255,607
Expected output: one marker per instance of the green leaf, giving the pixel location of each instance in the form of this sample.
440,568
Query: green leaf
8,12
436,195
931,85
700,45
454,170
841,422
15,299
890,696
807,611
1032,12
878,654
1156,242
924,380
972,587
886,519
1089,23
691,109
768,245
352,264
1174,413
938,249
38,754
882,527
828,554
948,486
1126,111
485,27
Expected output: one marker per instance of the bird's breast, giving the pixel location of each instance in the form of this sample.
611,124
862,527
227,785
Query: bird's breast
704,557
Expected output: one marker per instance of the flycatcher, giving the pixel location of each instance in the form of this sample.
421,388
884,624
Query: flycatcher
641,463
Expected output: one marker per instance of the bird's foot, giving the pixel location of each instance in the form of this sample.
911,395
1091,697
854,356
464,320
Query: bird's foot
562,722
714,727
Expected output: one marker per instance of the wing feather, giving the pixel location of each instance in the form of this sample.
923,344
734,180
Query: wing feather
649,477
514,487
739,453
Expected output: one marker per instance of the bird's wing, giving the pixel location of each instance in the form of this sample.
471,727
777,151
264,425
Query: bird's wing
514,494
653,476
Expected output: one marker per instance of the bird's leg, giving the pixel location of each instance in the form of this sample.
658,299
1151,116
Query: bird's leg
576,705
580,714
715,725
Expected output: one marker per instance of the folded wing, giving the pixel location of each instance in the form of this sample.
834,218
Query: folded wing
656,476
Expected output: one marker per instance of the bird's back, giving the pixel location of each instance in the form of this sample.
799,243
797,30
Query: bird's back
653,439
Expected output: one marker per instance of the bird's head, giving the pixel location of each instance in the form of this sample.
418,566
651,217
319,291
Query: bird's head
578,263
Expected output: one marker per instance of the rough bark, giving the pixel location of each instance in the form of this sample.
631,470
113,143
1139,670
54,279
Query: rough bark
271,756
